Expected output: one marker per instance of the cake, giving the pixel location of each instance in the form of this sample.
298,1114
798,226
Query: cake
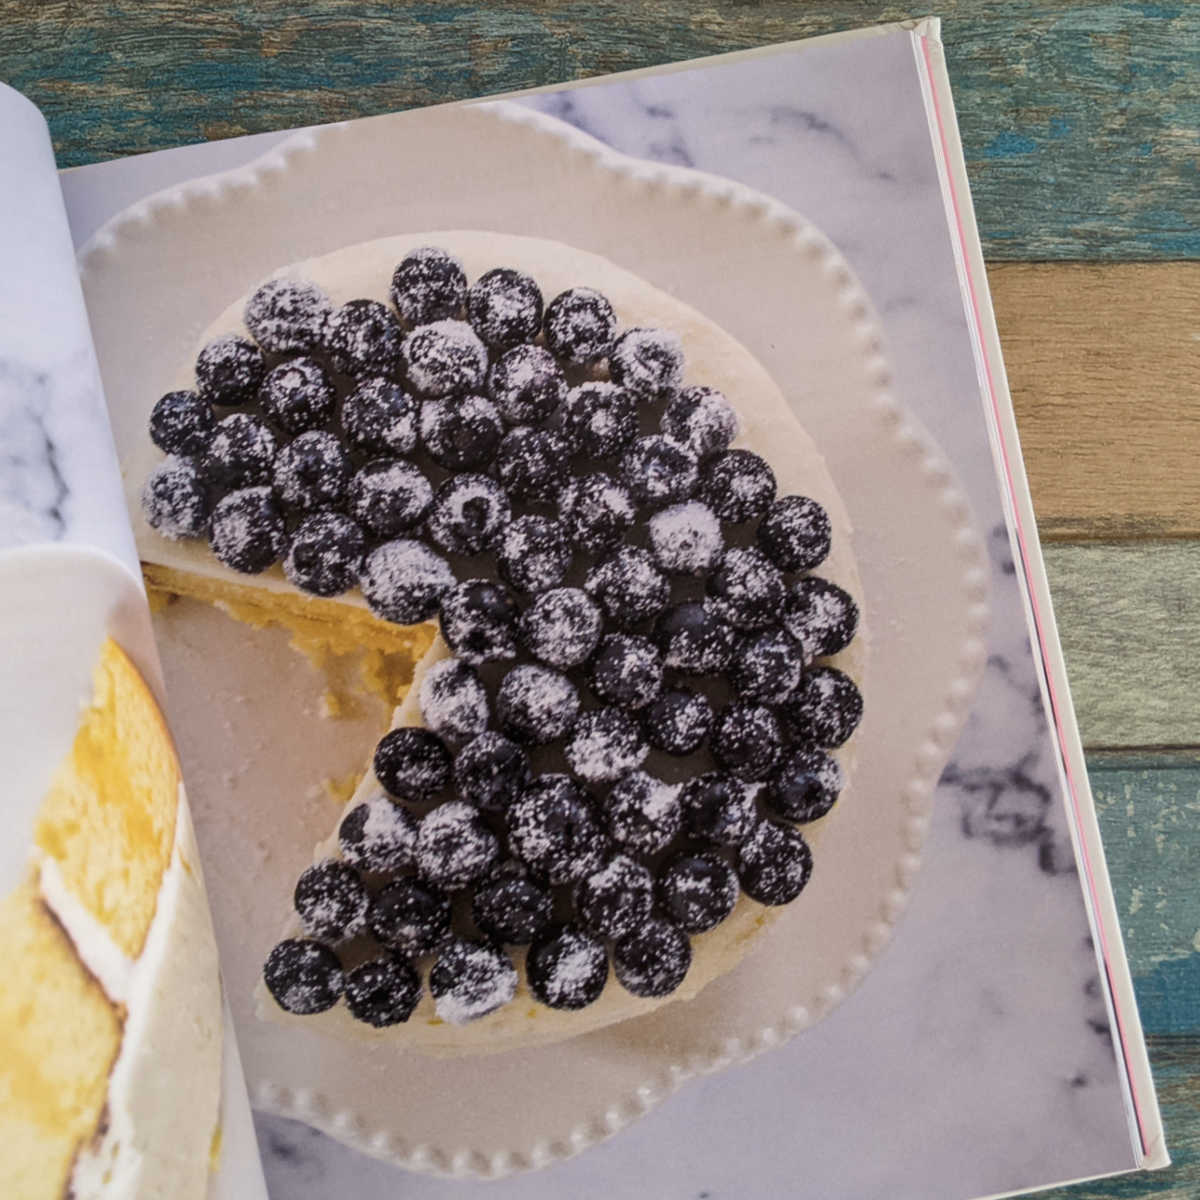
625,580
113,971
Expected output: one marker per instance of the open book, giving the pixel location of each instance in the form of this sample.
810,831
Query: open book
599,638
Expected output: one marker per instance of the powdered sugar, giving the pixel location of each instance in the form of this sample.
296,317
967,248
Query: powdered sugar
470,980
444,358
686,539
403,580
453,701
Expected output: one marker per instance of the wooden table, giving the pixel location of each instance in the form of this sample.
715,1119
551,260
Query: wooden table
1082,132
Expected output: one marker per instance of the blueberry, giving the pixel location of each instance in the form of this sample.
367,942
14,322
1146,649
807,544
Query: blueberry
445,359
678,721
410,917
629,587
304,977
693,638
454,703
747,589
468,515
658,471
478,619
718,808
766,667
701,419
774,863
561,627
312,471
526,384
825,709
604,745
505,307
533,554
643,814
454,846
617,898
363,338
698,890
795,534
597,420
383,992
470,980
536,705
247,531
380,417
461,431
647,362
626,670
510,907
229,370
297,395
746,741
686,539
652,960
388,496
554,829
821,616
404,581
378,836
176,501
580,325
567,969
737,485
428,285
596,512
286,316
182,423
491,772
530,463
412,764
324,554
806,786
331,901
241,453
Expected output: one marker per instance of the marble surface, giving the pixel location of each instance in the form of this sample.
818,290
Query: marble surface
976,1057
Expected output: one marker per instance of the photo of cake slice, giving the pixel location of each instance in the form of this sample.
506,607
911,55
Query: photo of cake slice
113,967
589,520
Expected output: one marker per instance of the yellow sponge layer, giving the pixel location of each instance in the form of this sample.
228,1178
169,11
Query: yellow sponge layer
59,1037
109,817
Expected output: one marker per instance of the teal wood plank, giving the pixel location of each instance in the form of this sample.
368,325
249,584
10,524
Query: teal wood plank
1080,120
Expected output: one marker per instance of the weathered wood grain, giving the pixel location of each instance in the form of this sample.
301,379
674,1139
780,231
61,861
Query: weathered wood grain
1104,367
1079,119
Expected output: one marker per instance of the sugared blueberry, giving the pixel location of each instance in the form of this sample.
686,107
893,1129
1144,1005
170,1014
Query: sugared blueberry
312,471
737,485
718,808
378,836
774,863
567,968
562,627
287,316
658,471
795,534
387,496
247,531
678,721
653,959
694,639
626,670
533,554
629,587
596,511
453,701
363,338
383,991
747,588
468,515
176,501
686,539
410,917
412,763
303,976
598,420
380,417
746,740
429,284
580,325
604,745
806,786
530,463
701,419
324,554
536,705
404,581
825,709
331,901
643,814
554,829
510,907
182,423
766,667
526,384
821,616
478,619
615,899
505,307
470,980
698,890
297,395
461,431
229,370
445,358
241,453
491,772
647,362
454,846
